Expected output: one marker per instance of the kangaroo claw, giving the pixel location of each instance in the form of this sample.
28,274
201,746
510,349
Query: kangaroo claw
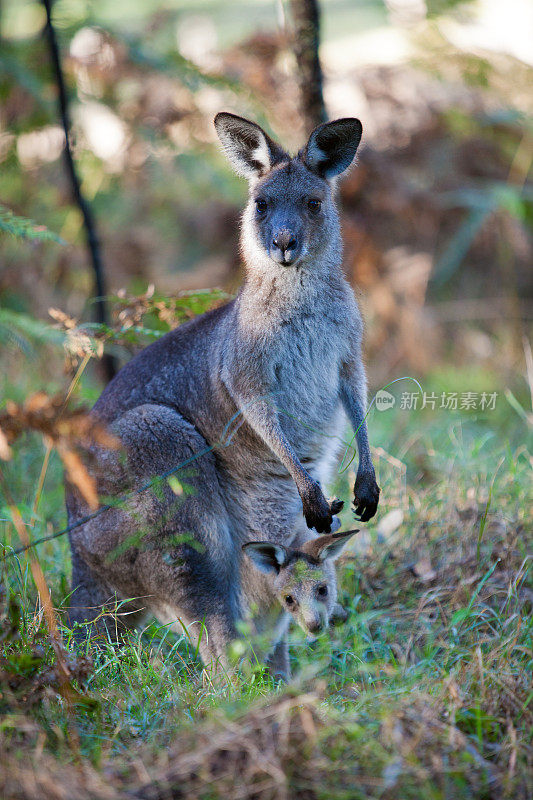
366,497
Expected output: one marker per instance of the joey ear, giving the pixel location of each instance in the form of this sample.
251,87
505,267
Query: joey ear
249,149
266,556
333,548
332,147
329,546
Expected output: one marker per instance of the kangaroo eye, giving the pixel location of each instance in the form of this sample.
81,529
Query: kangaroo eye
260,206
322,590
289,600
314,206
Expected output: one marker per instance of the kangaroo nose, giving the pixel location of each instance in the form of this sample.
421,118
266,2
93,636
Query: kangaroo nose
284,240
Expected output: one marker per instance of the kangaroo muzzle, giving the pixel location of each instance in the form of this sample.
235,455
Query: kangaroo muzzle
285,247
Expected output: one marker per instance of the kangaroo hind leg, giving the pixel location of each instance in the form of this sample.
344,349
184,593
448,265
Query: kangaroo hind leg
165,543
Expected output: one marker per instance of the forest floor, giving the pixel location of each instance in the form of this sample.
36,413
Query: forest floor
424,692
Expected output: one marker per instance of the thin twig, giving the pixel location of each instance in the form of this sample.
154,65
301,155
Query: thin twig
93,245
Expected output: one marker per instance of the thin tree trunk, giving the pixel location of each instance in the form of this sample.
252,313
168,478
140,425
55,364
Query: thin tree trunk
93,245
306,19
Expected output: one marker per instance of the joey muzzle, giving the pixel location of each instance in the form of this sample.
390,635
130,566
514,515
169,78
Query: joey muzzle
315,626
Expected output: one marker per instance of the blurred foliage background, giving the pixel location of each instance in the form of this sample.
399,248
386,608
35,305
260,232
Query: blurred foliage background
437,215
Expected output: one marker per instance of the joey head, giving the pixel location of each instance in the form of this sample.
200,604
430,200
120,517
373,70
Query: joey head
295,584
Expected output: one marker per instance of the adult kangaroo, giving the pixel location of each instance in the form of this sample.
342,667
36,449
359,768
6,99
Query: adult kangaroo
282,359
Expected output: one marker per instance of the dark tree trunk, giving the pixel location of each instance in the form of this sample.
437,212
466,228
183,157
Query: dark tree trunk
93,245
306,19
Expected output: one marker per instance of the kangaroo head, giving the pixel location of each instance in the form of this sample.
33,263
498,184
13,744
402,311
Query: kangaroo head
291,217
304,579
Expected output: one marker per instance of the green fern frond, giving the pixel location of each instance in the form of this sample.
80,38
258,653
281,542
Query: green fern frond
19,329
24,228
11,338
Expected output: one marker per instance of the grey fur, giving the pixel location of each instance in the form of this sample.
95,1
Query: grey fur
286,354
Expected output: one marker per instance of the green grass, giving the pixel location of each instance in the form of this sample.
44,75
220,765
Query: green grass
424,692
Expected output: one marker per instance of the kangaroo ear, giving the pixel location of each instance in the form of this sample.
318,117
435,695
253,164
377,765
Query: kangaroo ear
329,546
332,146
267,557
250,150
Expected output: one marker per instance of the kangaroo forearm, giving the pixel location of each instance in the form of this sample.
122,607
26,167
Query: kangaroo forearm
273,436
262,417
366,490
355,408
363,446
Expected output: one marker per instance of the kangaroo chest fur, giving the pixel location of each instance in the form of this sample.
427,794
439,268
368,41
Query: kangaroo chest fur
297,336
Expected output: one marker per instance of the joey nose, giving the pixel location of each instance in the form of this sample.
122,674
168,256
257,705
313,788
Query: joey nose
314,627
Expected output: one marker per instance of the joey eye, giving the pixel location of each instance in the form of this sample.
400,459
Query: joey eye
289,600
322,590
260,205
314,206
